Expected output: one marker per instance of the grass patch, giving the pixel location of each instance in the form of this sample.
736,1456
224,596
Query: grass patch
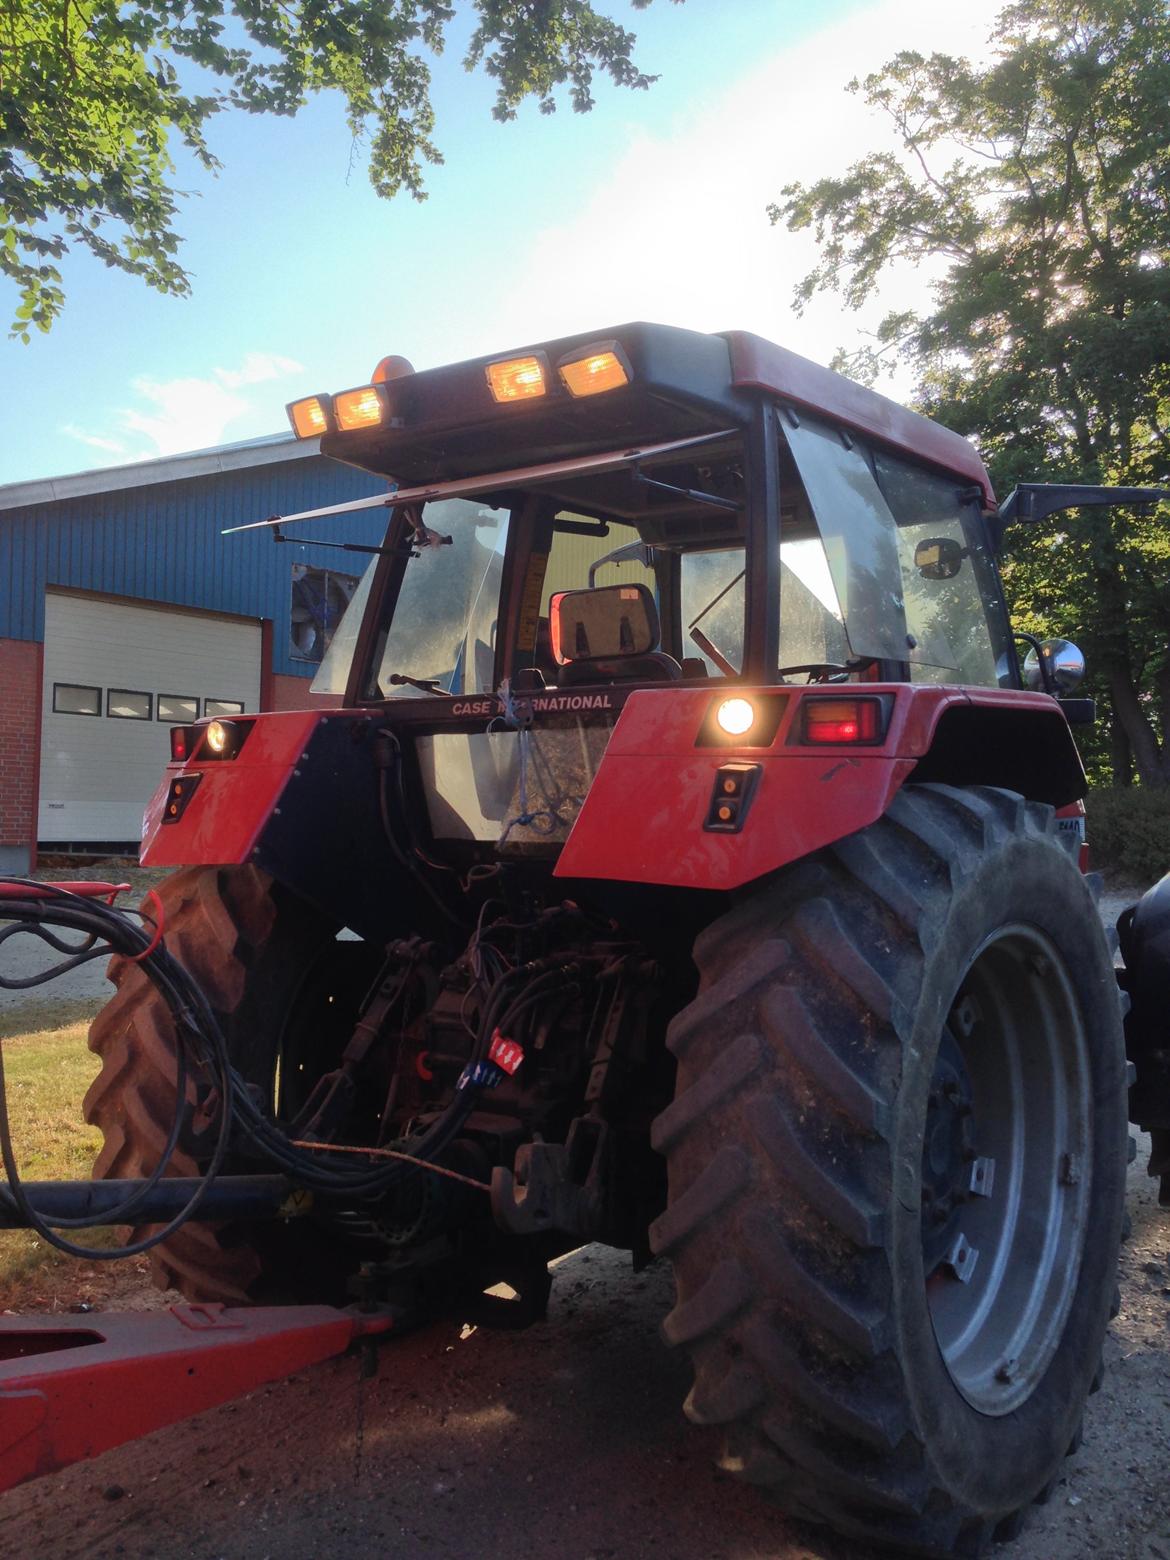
37,1015
48,1068
47,1073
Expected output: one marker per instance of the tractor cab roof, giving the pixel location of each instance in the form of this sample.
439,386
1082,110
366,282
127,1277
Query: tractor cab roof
658,383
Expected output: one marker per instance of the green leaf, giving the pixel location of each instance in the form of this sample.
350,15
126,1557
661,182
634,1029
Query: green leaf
93,92
1034,186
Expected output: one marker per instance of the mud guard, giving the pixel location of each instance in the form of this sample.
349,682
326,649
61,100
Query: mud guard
647,817
301,802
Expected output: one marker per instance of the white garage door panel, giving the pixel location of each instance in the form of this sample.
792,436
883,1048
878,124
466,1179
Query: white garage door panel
98,772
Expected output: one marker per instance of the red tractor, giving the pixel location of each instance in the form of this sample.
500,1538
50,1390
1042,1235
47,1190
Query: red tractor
687,867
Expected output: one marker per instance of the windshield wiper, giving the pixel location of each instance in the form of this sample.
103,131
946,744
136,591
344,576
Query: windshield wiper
701,639
427,684
421,534
832,671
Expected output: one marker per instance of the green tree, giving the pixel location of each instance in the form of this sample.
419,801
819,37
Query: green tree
1035,192
95,95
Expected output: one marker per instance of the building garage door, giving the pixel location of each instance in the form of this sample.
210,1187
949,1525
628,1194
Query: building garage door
117,677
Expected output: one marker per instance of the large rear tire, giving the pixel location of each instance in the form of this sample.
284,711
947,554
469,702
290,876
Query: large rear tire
251,949
919,1015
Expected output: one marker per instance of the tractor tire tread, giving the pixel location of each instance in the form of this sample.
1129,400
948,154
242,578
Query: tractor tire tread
780,1164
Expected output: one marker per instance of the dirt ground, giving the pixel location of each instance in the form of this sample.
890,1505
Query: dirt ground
564,1440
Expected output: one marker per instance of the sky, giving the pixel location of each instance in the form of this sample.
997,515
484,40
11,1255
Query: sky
651,207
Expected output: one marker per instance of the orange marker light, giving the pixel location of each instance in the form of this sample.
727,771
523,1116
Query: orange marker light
360,408
517,379
602,368
308,417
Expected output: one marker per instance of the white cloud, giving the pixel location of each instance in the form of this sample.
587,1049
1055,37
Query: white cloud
679,232
94,440
258,368
191,412
183,414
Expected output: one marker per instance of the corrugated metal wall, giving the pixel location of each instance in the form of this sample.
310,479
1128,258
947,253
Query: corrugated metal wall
162,543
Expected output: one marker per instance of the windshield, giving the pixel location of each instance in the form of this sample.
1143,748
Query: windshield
444,628
856,584
859,537
713,596
445,618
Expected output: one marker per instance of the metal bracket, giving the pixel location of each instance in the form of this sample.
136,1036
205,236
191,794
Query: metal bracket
1032,501
554,1186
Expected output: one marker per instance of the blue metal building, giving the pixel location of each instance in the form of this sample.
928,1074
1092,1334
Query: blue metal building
124,610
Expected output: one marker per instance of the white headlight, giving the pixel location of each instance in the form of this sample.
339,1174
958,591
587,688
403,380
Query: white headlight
735,716
219,736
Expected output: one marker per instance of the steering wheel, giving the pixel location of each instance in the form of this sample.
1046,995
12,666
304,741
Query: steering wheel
818,671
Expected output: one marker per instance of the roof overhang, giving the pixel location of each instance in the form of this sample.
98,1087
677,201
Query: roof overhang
757,364
269,450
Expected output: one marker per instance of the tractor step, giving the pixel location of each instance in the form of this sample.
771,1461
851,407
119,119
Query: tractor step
71,1388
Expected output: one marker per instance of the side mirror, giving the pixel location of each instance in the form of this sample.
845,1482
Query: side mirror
1062,669
939,558
602,625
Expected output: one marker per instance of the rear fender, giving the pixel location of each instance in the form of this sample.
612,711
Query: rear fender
232,798
300,801
643,819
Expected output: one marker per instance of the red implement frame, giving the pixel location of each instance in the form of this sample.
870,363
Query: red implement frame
108,891
71,1387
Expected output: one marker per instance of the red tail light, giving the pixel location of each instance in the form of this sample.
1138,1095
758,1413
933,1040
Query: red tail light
837,721
182,743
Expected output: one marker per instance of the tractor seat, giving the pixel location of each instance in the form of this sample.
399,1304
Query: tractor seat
654,666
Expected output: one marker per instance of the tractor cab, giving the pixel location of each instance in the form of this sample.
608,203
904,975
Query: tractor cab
776,541
653,512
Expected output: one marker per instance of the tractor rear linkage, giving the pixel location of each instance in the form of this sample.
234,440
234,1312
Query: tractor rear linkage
72,1388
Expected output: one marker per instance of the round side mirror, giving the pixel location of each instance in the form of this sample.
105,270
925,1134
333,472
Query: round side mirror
1064,663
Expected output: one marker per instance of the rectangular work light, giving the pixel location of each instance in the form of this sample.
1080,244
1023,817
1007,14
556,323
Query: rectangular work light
518,379
310,417
360,408
603,366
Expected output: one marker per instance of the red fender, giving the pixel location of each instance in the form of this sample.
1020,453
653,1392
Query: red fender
643,818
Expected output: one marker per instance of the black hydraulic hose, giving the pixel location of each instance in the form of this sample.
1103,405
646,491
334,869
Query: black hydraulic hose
76,955
121,935
410,863
202,1047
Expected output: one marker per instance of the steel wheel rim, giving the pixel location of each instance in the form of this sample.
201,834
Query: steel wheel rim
1005,1169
